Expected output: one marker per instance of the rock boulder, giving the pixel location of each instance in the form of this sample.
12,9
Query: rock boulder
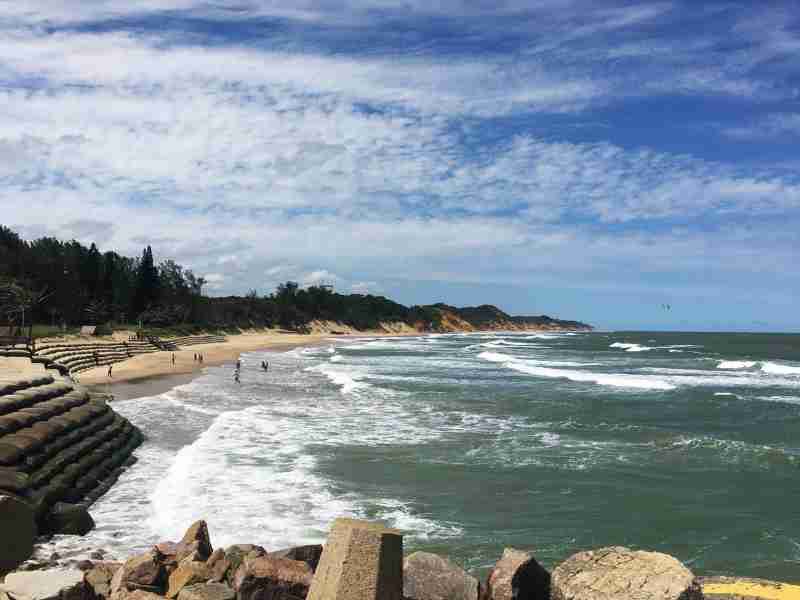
18,524
207,591
428,576
198,532
142,572
517,576
48,585
100,576
188,573
618,573
265,578
69,519
308,554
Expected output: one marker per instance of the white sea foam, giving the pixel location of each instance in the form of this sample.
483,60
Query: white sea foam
780,399
630,347
623,380
736,364
728,394
246,458
349,379
780,369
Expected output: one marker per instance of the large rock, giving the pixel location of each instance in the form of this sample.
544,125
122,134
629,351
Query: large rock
100,576
207,591
218,565
361,561
266,578
135,595
308,554
618,573
198,532
142,572
428,576
18,527
69,519
236,554
48,585
188,573
517,576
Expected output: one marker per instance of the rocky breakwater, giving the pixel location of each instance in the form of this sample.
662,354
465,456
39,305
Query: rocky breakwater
364,561
60,449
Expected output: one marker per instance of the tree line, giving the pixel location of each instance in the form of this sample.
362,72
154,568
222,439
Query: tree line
68,283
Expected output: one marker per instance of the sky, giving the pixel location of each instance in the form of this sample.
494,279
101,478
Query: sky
588,160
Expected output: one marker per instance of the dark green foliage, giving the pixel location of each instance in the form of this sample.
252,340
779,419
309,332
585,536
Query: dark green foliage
81,286
86,287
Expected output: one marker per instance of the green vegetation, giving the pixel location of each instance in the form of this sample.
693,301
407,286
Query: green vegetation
59,285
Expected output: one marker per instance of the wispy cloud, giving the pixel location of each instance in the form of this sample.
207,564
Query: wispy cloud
256,162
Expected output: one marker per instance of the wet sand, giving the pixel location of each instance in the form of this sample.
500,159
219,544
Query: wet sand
143,368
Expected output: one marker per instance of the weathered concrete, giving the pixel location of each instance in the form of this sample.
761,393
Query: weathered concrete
429,576
517,576
48,585
745,588
361,561
618,573
18,527
59,447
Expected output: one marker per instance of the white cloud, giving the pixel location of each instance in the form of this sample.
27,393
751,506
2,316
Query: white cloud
257,166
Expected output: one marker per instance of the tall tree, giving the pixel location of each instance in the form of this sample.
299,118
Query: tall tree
147,283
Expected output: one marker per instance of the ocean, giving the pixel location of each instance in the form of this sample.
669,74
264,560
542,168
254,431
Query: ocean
684,443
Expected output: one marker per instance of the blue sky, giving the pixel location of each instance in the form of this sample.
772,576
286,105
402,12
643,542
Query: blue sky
590,160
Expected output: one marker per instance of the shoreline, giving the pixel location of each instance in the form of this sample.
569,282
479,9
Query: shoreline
157,374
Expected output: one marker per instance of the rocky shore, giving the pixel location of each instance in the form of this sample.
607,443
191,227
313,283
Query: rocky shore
365,561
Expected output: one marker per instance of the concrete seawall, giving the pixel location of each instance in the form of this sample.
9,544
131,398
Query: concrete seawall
61,448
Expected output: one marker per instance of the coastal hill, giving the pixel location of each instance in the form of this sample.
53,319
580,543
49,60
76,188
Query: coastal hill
67,285
490,318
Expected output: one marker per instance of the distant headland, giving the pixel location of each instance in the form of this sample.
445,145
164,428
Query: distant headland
52,287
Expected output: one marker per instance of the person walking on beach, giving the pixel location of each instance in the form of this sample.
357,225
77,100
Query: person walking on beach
111,366
195,357
201,358
173,359
238,365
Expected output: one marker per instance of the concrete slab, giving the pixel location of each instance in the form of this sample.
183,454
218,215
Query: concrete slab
361,561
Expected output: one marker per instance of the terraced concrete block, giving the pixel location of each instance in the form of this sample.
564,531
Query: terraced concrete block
9,454
361,561
12,480
18,524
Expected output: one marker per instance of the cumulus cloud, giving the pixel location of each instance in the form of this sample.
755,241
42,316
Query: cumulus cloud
258,164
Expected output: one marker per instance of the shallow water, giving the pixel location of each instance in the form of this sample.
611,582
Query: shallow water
683,443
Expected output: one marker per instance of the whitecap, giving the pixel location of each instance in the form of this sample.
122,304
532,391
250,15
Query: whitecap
736,364
630,347
610,379
780,369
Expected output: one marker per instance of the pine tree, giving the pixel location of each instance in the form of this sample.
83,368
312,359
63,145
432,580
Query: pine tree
147,283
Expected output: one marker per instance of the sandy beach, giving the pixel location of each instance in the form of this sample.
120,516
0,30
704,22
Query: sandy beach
159,373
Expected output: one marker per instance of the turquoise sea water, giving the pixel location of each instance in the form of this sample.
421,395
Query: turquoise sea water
683,443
